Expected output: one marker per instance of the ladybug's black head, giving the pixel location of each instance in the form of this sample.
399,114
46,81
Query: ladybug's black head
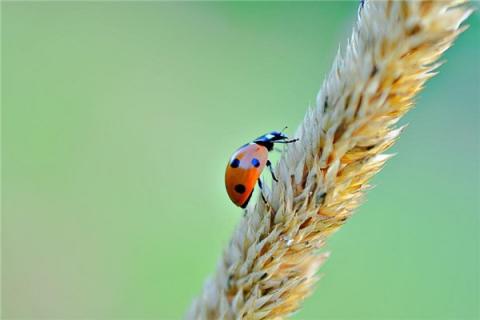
268,139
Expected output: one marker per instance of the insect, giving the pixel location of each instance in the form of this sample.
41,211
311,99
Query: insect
246,165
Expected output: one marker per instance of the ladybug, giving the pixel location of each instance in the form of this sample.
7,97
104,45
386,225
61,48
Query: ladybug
246,165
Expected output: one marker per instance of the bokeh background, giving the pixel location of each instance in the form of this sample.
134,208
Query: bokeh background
119,117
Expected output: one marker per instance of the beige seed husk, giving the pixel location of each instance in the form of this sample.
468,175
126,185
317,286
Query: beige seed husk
271,262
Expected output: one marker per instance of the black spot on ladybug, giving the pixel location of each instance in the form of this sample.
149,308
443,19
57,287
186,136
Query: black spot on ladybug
255,162
240,188
235,163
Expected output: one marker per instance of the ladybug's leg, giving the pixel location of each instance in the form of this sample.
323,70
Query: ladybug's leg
287,141
269,165
260,185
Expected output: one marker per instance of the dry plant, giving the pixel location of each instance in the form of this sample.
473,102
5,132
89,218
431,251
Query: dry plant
271,262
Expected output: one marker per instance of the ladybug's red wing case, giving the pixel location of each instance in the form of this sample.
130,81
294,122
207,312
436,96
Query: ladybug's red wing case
243,170
240,185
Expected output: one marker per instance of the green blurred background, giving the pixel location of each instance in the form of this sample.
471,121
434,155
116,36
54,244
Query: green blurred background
118,119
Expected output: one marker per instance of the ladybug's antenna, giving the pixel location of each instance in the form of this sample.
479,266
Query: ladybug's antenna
286,127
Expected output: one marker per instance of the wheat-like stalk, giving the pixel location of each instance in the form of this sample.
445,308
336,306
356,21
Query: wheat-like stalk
271,262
